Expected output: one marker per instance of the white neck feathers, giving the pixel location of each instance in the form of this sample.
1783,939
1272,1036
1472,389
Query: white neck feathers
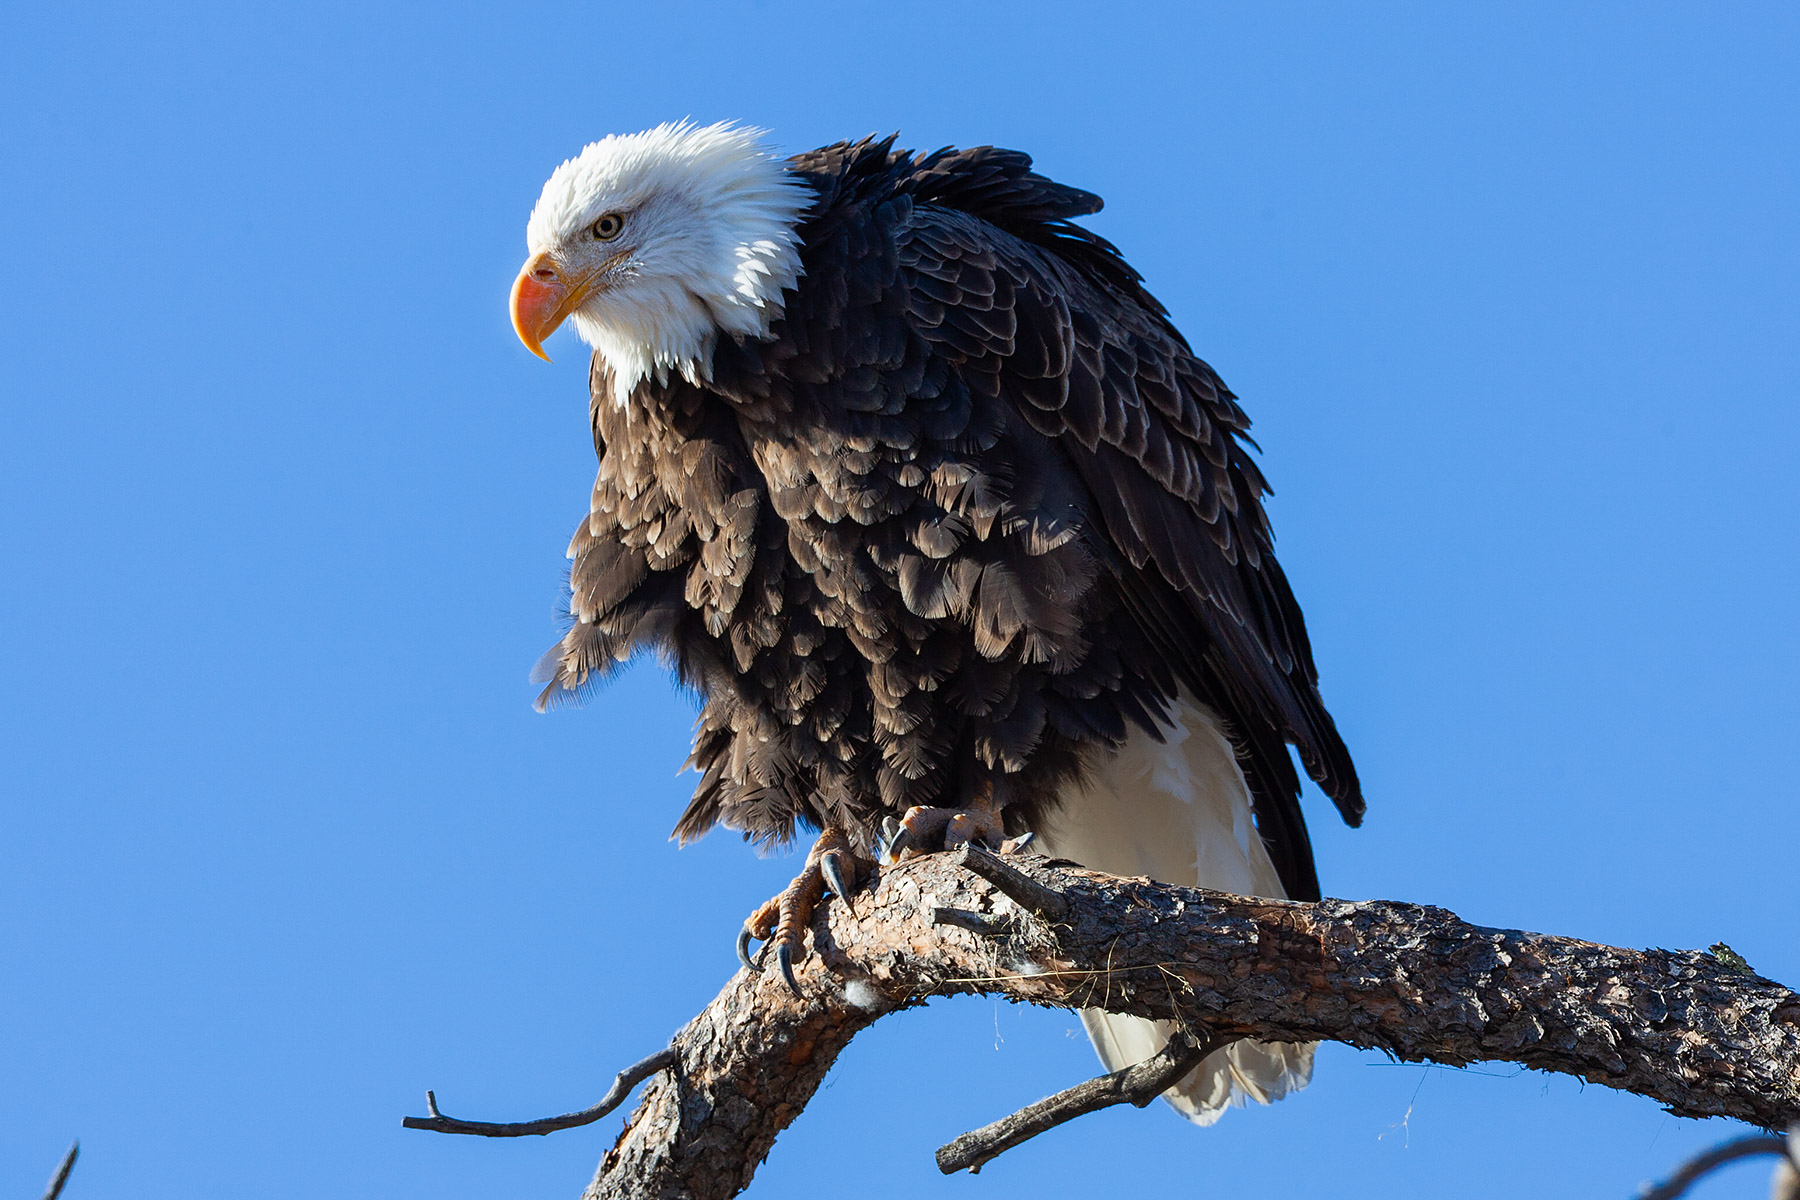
710,243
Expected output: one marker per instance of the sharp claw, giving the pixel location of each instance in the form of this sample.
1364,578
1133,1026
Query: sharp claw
900,844
743,948
1017,845
785,960
832,867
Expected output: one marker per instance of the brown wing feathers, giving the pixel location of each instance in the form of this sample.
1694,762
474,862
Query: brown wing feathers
1159,443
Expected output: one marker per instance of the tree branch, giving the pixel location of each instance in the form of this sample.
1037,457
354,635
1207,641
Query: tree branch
1711,1160
1021,888
1138,1084
1681,1027
62,1172
630,1077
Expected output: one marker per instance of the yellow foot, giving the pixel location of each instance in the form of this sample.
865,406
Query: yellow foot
783,920
924,830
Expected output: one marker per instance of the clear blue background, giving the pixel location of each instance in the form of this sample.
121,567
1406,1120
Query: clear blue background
1510,291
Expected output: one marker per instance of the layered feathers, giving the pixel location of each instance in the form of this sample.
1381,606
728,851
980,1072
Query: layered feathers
970,514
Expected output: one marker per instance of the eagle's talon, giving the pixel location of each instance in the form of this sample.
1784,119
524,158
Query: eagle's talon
782,922
831,865
759,926
784,959
897,845
925,829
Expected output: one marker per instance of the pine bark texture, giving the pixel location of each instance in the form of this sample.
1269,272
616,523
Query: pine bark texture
1701,1036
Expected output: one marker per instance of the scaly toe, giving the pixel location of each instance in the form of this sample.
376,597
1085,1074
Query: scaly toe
782,923
922,830
796,907
757,927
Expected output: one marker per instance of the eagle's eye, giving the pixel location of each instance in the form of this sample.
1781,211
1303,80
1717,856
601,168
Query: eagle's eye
608,227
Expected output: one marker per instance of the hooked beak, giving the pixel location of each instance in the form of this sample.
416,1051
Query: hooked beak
543,296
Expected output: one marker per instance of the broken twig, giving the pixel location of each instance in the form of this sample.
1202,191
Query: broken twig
630,1077
975,922
62,1172
1031,895
1137,1085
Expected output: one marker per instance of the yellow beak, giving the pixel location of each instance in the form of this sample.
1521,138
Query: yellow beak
543,296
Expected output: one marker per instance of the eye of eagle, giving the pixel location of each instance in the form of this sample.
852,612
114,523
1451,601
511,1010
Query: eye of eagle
608,227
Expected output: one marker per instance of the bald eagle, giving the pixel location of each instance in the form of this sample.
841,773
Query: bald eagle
910,478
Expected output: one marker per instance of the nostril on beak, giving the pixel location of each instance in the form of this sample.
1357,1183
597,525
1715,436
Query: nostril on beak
544,273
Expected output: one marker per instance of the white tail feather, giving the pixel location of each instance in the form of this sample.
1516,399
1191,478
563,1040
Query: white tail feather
1178,811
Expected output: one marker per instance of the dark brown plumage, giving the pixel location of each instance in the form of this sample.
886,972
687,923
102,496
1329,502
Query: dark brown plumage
973,512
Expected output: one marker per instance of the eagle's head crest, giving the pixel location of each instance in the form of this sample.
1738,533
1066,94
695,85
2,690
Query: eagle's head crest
654,243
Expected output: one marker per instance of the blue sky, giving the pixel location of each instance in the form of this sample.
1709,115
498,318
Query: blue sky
1509,290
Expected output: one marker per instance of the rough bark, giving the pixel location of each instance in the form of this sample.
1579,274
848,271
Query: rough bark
1698,1034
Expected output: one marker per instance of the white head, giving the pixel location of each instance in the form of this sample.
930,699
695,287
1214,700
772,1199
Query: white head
654,243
